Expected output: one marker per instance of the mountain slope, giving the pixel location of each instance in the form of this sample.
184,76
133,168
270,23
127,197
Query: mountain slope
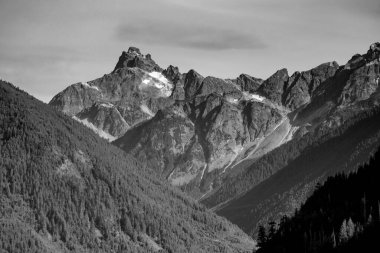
340,216
288,188
350,91
64,189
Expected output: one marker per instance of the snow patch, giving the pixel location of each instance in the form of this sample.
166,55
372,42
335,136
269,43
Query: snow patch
203,171
89,86
159,76
146,110
107,105
251,96
232,100
98,131
257,97
157,80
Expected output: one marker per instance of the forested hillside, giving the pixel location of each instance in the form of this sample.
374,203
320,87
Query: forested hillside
340,216
64,189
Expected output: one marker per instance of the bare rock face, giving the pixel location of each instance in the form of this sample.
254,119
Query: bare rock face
259,119
192,84
213,85
133,58
302,85
273,87
134,92
297,90
248,83
219,128
173,151
227,129
75,98
173,74
105,117
190,140
363,80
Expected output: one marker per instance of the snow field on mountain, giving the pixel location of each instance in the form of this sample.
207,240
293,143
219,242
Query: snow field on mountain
250,96
157,80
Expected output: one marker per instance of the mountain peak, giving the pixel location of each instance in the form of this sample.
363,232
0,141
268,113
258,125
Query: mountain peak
359,60
248,83
375,46
172,72
134,58
133,50
373,52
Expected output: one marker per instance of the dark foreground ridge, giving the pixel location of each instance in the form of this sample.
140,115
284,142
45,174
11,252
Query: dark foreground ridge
343,215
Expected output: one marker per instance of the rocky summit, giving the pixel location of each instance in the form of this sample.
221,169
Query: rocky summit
196,130
129,95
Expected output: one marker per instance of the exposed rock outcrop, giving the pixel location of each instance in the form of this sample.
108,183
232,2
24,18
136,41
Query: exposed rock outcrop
273,87
133,58
248,83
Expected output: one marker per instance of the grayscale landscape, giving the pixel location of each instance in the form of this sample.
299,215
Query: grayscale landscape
178,126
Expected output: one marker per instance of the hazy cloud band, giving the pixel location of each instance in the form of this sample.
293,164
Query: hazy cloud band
197,37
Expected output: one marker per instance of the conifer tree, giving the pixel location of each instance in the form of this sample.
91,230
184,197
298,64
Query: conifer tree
333,239
343,232
261,237
350,228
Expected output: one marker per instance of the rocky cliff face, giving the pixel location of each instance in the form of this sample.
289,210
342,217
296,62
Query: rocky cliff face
248,83
134,59
195,130
132,93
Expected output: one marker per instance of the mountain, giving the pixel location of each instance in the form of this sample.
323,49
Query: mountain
206,123
343,215
219,139
340,128
65,189
281,181
132,93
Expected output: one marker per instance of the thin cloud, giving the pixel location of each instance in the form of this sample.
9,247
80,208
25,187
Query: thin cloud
196,37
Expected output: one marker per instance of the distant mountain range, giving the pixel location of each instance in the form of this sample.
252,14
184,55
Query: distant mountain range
251,149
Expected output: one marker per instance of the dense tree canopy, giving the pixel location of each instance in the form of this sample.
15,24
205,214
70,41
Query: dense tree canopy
340,216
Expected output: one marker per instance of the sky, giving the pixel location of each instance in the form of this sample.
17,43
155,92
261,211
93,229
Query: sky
46,45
